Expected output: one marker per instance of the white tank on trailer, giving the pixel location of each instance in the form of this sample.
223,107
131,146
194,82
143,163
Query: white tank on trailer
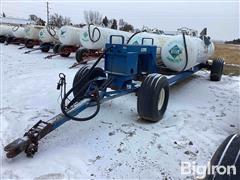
32,31
18,32
174,56
100,36
6,30
48,34
146,38
69,35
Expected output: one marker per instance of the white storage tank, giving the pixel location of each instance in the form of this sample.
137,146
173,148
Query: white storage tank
69,35
48,34
5,30
173,53
18,32
158,40
32,31
100,36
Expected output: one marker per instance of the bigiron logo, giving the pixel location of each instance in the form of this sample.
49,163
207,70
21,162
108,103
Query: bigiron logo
175,51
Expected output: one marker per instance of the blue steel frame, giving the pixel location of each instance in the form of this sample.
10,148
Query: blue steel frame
109,95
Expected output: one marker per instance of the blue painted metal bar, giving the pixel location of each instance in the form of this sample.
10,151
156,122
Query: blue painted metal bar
60,119
183,75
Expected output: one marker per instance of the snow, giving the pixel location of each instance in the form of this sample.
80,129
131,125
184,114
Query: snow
115,144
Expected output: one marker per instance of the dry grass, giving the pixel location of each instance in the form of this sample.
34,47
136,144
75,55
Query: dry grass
230,53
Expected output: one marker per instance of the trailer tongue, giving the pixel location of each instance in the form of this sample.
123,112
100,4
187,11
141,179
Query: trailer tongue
126,66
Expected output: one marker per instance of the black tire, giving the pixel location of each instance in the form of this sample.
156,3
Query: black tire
97,72
2,39
227,154
8,40
216,69
153,108
80,54
63,52
56,48
45,48
29,43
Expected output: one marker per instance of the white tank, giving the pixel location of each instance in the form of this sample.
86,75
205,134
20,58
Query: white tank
174,57
48,34
32,31
5,30
18,32
100,36
69,35
158,40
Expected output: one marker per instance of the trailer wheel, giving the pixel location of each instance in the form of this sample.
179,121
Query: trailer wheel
29,43
80,54
153,97
216,69
2,39
63,51
8,39
56,48
45,47
227,154
97,72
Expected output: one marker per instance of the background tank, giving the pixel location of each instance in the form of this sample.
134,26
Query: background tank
100,36
48,34
18,32
173,52
6,30
158,40
32,31
69,35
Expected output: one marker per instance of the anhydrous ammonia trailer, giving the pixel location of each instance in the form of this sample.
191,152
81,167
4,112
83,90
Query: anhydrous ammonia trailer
48,34
176,52
32,35
94,38
5,32
69,39
127,69
18,32
18,35
48,40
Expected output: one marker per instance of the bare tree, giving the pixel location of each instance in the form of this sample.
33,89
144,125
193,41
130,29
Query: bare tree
36,19
93,17
59,21
67,21
114,24
33,17
124,26
105,21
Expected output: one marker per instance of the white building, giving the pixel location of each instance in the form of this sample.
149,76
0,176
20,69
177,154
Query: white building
14,21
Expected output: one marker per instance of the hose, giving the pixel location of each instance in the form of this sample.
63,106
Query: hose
49,28
93,32
135,35
97,98
186,52
15,28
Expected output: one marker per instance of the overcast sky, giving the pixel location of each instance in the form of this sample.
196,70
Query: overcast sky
221,17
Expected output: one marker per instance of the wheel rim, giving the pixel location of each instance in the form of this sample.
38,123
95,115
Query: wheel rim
161,99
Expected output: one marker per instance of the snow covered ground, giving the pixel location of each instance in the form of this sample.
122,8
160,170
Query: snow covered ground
115,144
